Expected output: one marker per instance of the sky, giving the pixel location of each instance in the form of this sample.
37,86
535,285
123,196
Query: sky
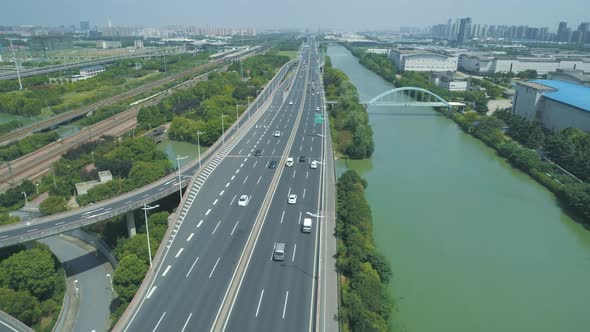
326,14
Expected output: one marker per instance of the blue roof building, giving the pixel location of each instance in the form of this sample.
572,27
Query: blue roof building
555,104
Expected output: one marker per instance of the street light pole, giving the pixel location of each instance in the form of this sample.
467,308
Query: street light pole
24,193
53,173
37,188
178,159
92,155
237,116
147,230
199,133
222,130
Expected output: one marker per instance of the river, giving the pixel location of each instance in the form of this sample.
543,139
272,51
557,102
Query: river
475,245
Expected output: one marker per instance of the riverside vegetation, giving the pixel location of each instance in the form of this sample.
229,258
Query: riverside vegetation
365,301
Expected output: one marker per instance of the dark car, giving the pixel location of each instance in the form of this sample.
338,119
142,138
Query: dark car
258,152
272,164
301,159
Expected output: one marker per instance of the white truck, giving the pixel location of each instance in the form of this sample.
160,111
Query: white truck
306,226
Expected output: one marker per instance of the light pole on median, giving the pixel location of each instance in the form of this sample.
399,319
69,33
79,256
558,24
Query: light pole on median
147,230
178,159
24,193
110,280
199,133
222,130
37,188
238,116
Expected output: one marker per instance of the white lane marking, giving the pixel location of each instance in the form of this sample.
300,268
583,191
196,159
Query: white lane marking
241,165
179,252
311,149
246,159
219,222
92,211
166,271
190,237
3,236
246,179
260,178
273,250
146,195
233,177
300,147
199,224
233,229
232,200
306,174
221,193
259,301
149,294
304,192
32,230
237,171
160,320
192,266
60,223
256,162
210,274
299,222
285,307
169,181
186,323
207,213
227,185
294,172
294,251
240,152
215,201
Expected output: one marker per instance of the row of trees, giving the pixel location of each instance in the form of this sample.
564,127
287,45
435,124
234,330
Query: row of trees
26,145
9,126
378,63
31,289
352,133
366,303
13,198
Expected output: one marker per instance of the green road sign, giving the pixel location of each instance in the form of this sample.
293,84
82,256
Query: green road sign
319,119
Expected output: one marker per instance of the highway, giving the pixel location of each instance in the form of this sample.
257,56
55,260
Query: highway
213,236
59,223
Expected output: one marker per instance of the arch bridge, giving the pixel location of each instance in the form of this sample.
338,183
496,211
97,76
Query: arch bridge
412,96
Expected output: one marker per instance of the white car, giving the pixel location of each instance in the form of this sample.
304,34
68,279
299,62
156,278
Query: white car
314,164
289,162
292,198
277,133
317,109
291,102
244,200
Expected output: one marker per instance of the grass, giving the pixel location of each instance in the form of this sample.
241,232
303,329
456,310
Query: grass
291,54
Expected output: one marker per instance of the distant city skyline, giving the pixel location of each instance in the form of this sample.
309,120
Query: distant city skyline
329,14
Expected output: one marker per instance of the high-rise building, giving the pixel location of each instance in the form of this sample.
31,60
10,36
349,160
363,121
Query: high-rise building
464,30
84,25
582,33
563,32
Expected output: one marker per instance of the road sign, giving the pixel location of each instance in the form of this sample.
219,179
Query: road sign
319,119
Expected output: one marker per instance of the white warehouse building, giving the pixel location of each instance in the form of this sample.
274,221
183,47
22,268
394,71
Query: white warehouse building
419,60
383,51
488,64
555,104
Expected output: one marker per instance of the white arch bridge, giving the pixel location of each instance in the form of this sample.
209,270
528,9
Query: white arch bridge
412,96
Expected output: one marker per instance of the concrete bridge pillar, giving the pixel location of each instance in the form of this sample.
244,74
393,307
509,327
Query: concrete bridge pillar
130,224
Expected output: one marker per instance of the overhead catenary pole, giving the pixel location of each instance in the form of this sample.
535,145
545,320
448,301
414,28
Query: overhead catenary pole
20,84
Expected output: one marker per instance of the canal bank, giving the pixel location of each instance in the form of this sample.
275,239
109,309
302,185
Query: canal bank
475,245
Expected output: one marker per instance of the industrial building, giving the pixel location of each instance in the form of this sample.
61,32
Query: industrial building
106,44
421,60
449,81
91,71
383,51
555,104
491,64
575,76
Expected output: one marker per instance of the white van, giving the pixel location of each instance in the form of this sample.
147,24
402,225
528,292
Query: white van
313,165
306,226
289,162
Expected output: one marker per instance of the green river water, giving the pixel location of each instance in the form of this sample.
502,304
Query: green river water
475,245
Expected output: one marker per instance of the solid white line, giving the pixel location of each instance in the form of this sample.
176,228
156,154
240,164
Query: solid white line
32,230
207,213
190,237
221,193
210,274
159,321
246,179
294,250
215,201
10,327
282,216
149,294
259,302
304,192
60,223
233,229
299,222
219,222
179,252
191,269
166,271
200,222
232,200
186,323
285,307
260,178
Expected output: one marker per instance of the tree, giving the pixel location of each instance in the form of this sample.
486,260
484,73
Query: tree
128,276
527,74
143,173
31,270
21,305
53,204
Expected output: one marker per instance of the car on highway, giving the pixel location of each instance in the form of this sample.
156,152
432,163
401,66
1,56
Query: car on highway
306,226
292,198
289,162
317,109
290,102
301,159
313,165
278,252
258,152
244,200
272,164
277,133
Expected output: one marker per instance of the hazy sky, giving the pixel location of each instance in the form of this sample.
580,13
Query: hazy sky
340,14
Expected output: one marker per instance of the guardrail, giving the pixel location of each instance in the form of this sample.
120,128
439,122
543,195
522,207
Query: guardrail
135,204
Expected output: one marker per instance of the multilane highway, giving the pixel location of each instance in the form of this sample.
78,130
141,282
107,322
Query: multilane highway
217,245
